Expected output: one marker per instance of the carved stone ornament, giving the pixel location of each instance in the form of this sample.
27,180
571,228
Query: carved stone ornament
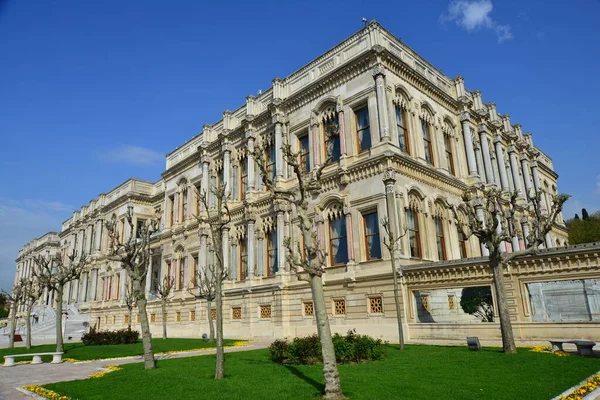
497,139
478,202
378,69
250,216
524,157
319,219
346,210
465,117
389,177
339,103
511,149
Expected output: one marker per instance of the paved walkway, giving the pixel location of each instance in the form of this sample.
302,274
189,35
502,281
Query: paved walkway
12,378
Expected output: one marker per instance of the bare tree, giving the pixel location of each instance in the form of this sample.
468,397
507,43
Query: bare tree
204,287
31,294
392,243
312,259
491,216
217,217
16,298
134,255
54,272
164,292
130,302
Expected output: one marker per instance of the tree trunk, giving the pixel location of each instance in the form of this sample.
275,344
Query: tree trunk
220,367
13,324
508,339
331,378
59,331
397,301
164,320
211,326
149,362
28,324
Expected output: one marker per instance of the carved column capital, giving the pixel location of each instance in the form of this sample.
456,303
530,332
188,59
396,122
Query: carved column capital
465,116
389,177
378,70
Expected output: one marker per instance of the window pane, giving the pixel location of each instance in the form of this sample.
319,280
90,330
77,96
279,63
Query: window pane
338,240
362,118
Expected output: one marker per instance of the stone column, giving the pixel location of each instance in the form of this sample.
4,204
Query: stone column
537,185
468,138
226,250
205,179
84,286
525,227
250,246
501,167
526,176
315,140
260,255
250,160
226,169
514,166
203,255
342,125
94,296
98,237
381,94
481,216
319,222
176,207
280,238
123,285
485,150
548,240
148,287
389,181
515,242
480,164
511,184
349,233
278,120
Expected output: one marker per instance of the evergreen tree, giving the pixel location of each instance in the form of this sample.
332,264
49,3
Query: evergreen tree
584,214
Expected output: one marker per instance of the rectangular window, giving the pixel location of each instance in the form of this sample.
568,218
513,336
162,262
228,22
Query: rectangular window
181,279
184,209
212,199
372,242
363,130
139,228
338,241
243,259
271,161
114,319
272,252
265,311
401,126
171,210
213,314
440,241
375,305
427,142
236,312
152,317
178,316
462,243
243,178
449,155
304,149
192,315
331,127
309,308
339,307
197,194
194,279
137,318
414,238
126,319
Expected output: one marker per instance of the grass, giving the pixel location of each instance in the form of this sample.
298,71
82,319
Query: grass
81,352
420,372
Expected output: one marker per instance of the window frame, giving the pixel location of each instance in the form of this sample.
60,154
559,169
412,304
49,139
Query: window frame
366,235
402,125
243,255
449,154
416,229
427,142
440,238
304,152
367,128
272,255
332,239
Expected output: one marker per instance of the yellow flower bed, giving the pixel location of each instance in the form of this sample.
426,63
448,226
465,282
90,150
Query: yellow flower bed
589,386
109,369
546,349
45,393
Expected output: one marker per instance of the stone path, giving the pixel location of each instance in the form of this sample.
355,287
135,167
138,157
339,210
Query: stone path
12,378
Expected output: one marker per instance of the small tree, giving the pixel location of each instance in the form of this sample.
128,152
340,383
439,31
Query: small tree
15,297
204,287
492,218
54,272
478,302
217,217
312,260
31,294
134,255
164,292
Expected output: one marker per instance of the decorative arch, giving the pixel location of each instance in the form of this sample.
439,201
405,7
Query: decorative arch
332,198
427,113
402,97
183,181
325,103
448,126
416,200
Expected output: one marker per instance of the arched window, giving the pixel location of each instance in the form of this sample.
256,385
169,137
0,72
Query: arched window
338,236
363,129
427,144
449,154
438,224
243,249
304,149
272,262
402,129
331,133
412,222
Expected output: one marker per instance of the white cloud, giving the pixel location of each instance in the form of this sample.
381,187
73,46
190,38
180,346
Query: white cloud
474,15
132,155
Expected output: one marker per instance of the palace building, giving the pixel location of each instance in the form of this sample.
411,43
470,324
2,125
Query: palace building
401,129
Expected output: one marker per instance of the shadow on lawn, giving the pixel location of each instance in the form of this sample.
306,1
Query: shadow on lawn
317,385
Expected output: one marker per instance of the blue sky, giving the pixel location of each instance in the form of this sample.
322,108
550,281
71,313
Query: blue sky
92,93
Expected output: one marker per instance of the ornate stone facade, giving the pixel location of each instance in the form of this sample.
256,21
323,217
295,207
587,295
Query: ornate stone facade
400,129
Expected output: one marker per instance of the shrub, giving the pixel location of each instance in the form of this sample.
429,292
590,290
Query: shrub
98,338
307,350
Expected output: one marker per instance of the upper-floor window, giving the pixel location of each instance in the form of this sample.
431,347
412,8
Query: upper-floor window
198,194
427,146
440,241
184,211
243,178
194,279
338,240
272,252
304,149
243,259
271,161
372,242
171,210
139,227
212,198
462,243
414,237
363,129
402,130
449,154
181,277
331,127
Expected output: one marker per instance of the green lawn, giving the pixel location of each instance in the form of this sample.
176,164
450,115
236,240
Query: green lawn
420,372
81,352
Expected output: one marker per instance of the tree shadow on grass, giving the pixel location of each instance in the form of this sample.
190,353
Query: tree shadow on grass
317,385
